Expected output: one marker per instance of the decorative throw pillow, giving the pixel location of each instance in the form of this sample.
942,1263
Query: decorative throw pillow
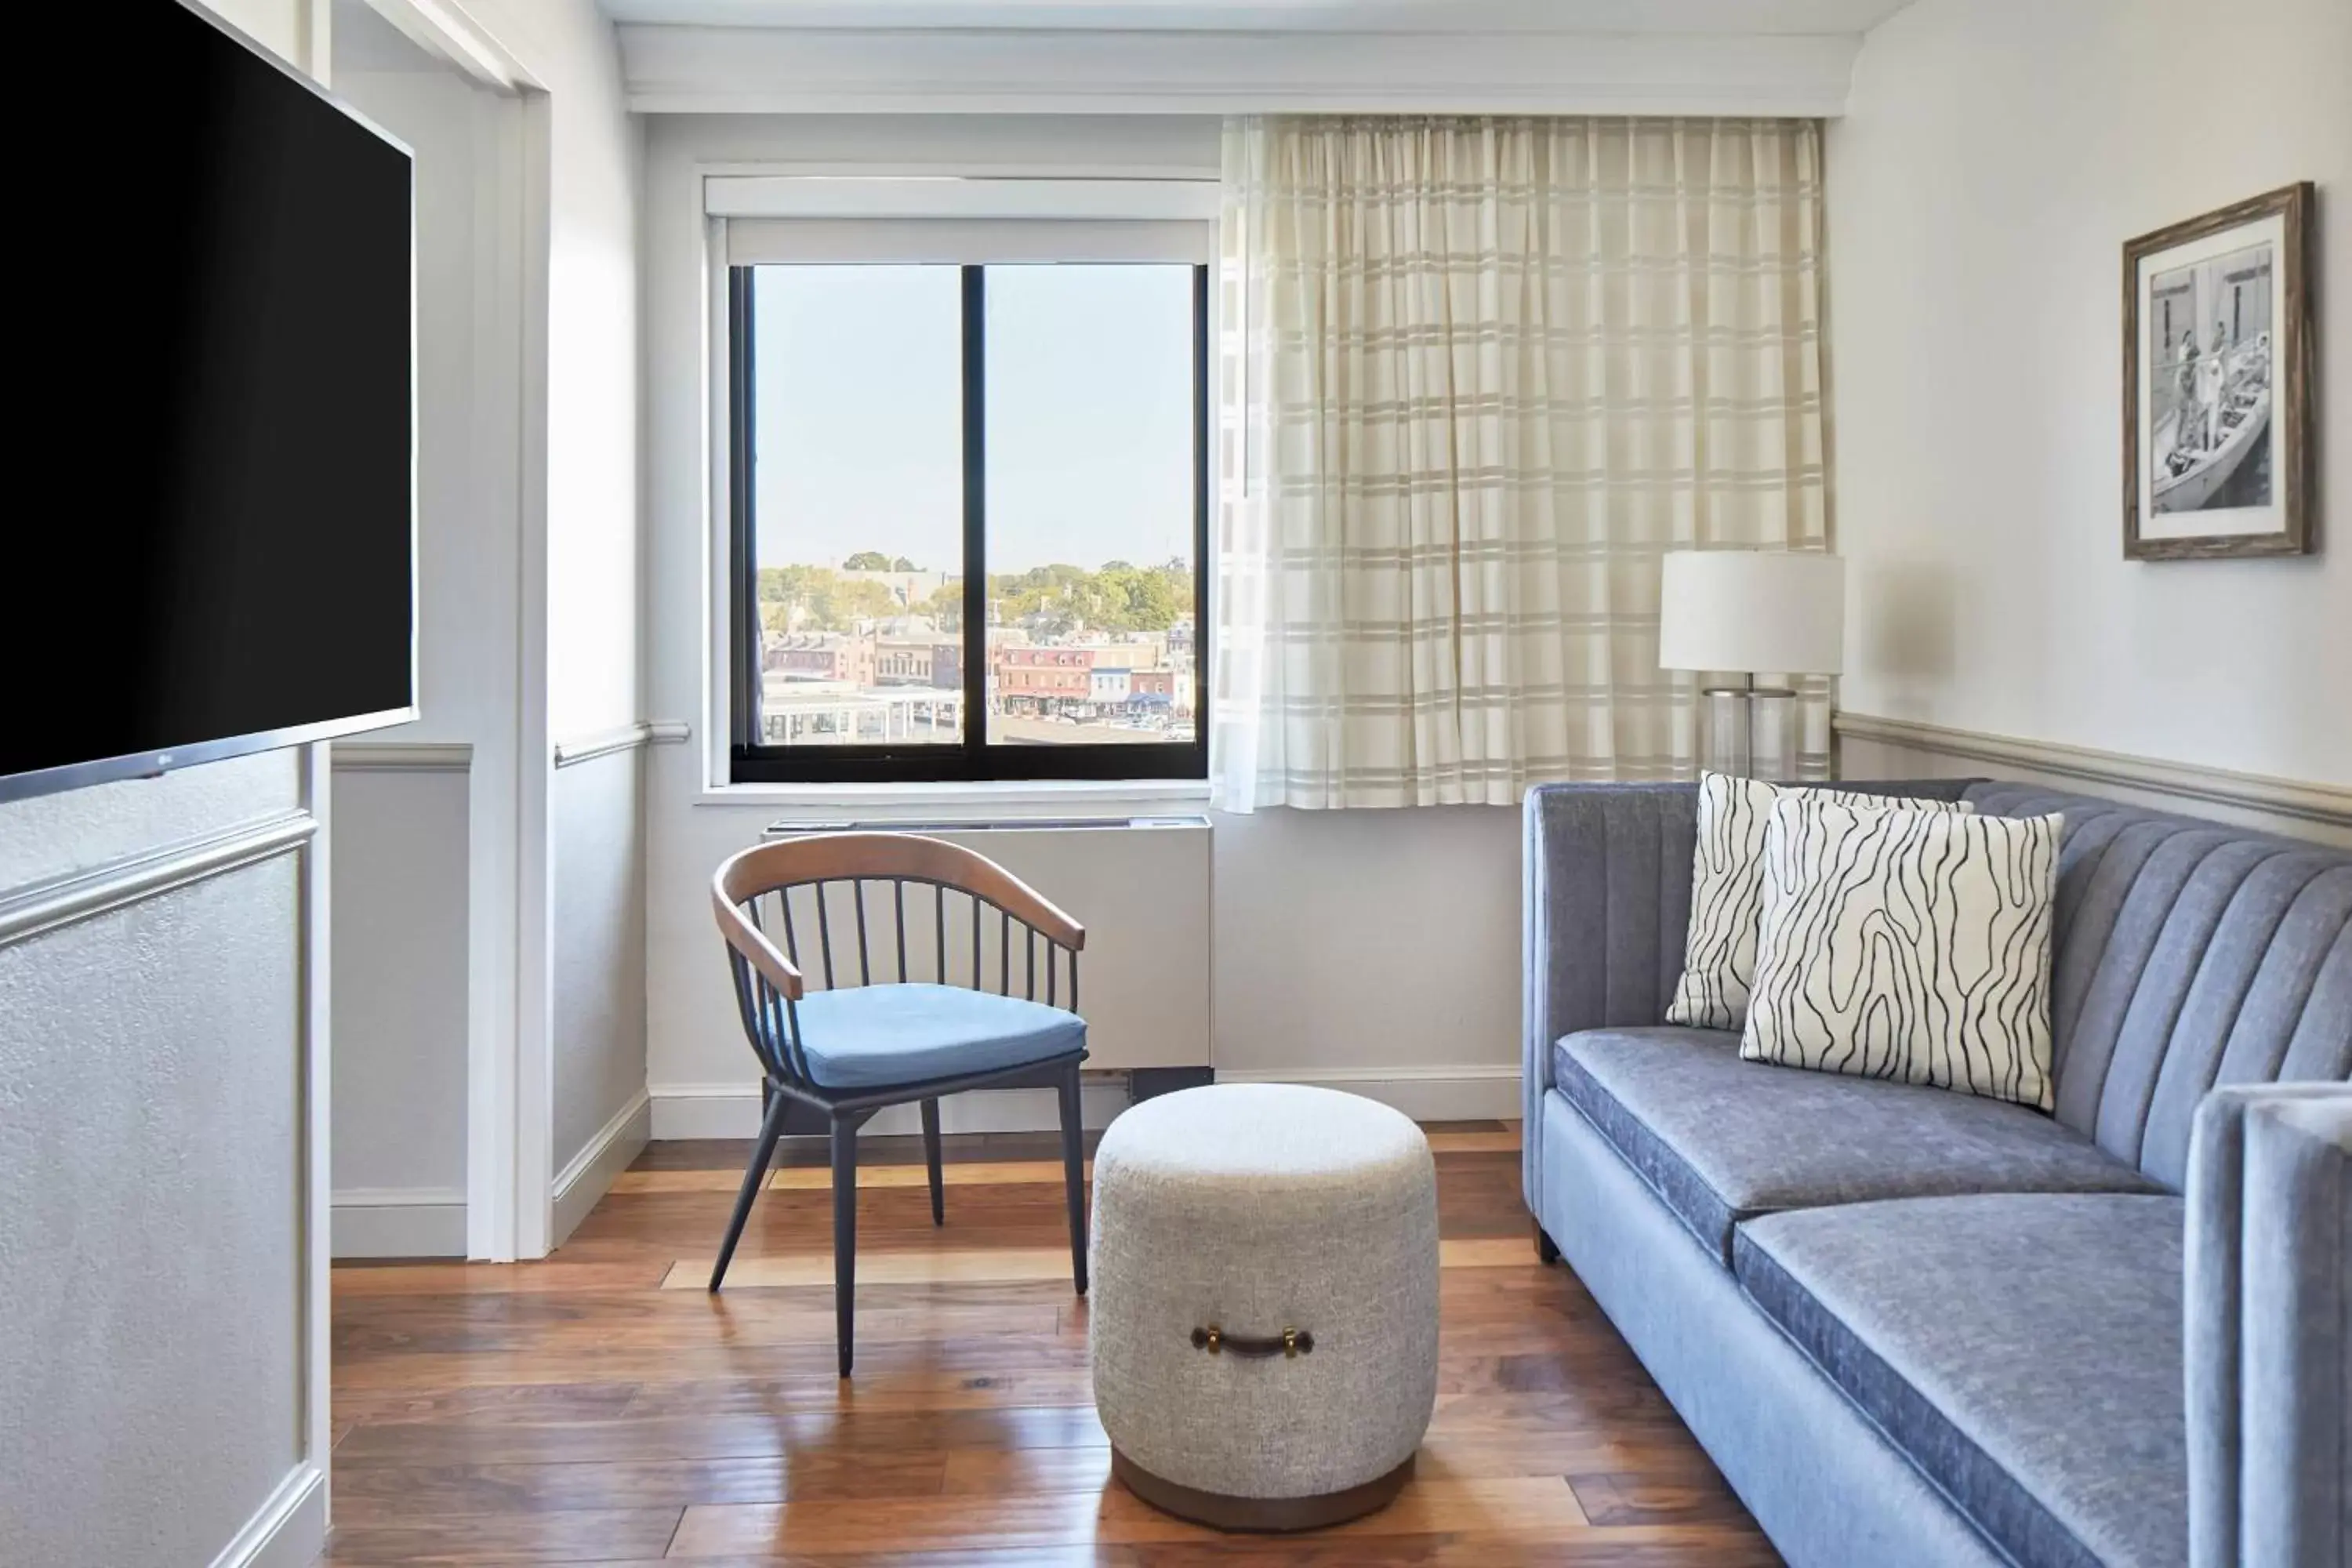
1910,945
1728,890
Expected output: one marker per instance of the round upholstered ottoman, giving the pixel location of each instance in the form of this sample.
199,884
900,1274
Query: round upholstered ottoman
1264,1316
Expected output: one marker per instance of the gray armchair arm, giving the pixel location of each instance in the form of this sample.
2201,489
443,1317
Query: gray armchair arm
2268,1327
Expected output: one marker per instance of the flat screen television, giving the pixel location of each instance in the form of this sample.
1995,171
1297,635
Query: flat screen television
216,551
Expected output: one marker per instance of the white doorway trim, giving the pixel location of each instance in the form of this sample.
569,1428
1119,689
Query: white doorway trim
509,1174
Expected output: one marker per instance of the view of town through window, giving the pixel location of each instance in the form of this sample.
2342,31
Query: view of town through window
859,503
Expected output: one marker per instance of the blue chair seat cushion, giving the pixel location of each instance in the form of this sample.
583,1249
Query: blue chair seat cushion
2022,1350
881,1037
1720,1139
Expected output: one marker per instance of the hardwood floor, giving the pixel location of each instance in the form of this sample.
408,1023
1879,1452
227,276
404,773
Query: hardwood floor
601,1408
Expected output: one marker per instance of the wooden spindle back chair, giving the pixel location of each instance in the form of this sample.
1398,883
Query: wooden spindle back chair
793,891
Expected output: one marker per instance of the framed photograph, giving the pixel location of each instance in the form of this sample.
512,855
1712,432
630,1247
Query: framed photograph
2217,383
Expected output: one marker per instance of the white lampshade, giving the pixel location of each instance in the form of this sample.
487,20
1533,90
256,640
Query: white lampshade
1751,610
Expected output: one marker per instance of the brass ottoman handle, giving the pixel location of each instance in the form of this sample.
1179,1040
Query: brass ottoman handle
1289,1342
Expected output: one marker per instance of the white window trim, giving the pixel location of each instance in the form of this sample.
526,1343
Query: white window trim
992,800
1108,215
959,241
934,198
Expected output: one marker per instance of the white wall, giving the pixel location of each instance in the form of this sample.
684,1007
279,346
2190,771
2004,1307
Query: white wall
161,1242
1378,949
1996,155
1384,944
287,27
594,155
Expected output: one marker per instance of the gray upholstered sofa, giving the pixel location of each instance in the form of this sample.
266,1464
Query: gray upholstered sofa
1916,1328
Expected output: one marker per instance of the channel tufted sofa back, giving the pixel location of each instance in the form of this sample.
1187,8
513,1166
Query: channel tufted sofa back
2189,954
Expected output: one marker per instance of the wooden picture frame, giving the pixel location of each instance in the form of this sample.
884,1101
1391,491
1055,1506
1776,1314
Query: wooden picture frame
2218,362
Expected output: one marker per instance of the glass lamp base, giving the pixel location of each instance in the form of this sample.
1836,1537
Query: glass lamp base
1749,733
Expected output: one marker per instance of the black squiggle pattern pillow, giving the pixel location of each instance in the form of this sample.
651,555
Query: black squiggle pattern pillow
1727,907
1908,945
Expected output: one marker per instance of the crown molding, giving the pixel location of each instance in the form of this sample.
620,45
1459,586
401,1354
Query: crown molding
670,69
1420,17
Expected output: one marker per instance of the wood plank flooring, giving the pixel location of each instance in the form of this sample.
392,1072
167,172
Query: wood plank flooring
600,1407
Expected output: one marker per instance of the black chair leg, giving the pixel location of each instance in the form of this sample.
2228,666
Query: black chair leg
931,1159
771,1127
844,1237
1074,1177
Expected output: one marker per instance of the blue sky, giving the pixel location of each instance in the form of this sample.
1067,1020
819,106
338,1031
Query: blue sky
859,414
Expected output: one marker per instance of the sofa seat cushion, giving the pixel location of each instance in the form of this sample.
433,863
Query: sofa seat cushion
1721,1140
2023,1351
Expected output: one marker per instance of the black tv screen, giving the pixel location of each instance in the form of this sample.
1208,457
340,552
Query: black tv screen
221,377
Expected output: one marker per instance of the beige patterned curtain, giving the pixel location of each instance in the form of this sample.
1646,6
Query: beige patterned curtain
1477,376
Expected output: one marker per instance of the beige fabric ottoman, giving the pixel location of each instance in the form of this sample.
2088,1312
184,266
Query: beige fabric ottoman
1264,1315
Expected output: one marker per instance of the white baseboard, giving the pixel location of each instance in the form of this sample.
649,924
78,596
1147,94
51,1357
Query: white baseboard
732,1111
588,1177
1445,1093
289,1531
400,1222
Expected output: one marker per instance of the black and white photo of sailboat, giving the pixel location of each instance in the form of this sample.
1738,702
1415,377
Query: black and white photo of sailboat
2219,363
2210,350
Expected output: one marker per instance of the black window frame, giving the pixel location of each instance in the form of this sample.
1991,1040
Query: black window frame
974,760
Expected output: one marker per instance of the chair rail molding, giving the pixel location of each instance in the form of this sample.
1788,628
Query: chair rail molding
2328,805
622,738
53,901
676,69
287,1529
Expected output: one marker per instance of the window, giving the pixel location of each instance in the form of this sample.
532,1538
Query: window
970,512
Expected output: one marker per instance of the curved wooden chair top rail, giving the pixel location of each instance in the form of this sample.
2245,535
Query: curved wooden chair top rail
857,858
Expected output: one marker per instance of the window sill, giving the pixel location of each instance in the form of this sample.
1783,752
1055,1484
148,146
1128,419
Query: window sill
995,801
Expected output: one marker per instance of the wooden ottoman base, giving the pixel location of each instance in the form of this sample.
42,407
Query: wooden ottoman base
1259,1514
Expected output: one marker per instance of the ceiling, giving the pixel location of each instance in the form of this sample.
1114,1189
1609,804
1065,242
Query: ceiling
1449,17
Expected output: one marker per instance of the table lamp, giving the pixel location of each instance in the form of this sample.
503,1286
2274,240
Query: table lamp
1751,612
